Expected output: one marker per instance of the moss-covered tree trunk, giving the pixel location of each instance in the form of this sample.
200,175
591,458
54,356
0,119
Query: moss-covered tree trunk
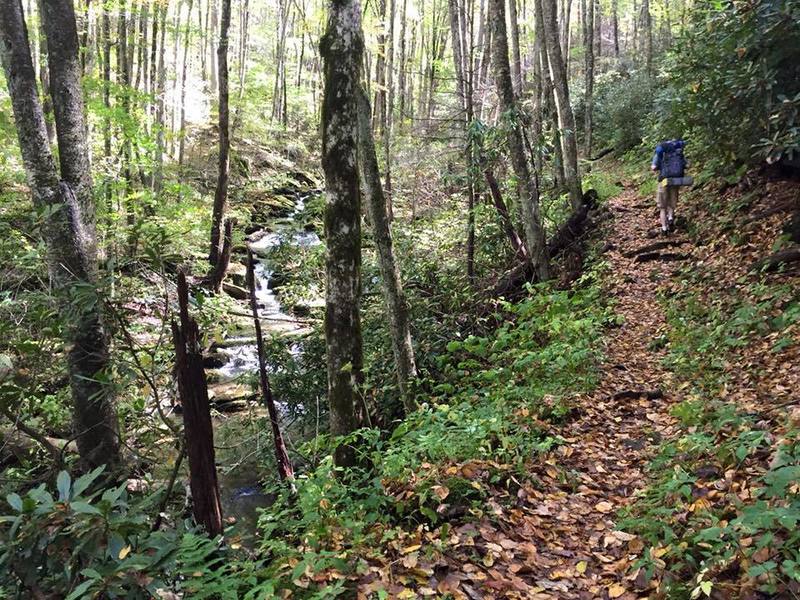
527,187
396,305
342,49
66,199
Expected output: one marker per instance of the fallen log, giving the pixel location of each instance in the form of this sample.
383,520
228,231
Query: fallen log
602,153
776,261
567,236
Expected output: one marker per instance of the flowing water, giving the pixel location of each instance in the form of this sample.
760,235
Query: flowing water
240,489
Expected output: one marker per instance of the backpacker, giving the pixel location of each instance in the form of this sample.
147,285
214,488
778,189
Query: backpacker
673,163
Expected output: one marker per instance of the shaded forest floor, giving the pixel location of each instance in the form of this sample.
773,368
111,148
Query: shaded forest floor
558,534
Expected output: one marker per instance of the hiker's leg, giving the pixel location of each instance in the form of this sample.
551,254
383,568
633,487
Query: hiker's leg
672,203
661,201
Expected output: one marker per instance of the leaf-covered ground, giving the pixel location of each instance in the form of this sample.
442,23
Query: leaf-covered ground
558,534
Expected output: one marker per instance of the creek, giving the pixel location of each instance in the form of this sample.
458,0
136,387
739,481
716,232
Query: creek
241,489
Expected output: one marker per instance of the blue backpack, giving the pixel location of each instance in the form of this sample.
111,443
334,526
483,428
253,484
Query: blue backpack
671,163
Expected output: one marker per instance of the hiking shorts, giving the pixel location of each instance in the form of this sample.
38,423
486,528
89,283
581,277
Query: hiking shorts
667,196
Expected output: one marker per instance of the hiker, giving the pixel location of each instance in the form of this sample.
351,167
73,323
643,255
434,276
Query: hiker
670,164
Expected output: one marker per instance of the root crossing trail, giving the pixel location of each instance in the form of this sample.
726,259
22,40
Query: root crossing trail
561,540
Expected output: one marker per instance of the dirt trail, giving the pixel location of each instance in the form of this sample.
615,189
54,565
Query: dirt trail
563,543
619,426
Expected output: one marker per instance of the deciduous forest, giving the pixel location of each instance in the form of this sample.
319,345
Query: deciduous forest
372,299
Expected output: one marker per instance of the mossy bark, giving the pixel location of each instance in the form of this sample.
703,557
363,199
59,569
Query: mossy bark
396,305
526,183
69,229
342,48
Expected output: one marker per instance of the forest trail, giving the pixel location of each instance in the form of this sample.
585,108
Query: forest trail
560,540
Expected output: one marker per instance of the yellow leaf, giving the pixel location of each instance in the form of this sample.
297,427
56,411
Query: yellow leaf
410,549
407,594
124,552
616,590
581,567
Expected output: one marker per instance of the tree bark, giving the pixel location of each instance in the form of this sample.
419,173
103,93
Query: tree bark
184,70
342,48
526,184
588,45
285,470
561,87
396,305
221,192
615,25
69,229
199,432
516,59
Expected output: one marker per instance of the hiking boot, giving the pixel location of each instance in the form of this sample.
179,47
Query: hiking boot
665,232
671,224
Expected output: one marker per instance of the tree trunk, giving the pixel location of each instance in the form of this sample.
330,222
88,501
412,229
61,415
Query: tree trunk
588,45
401,76
647,34
221,192
185,67
161,113
516,59
464,87
199,432
69,228
561,87
526,184
285,470
505,217
342,48
394,296
615,25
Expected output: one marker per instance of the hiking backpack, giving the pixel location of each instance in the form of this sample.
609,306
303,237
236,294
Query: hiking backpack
673,163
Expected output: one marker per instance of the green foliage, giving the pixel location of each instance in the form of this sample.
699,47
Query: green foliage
734,80
82,541
624,105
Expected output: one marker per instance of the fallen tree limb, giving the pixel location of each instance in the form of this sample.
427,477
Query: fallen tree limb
777,260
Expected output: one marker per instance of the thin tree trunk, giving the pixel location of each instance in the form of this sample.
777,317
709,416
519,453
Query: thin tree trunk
186,39
44,78
588,46
341,48
221,192
69,228
615,25
505,217
401,76
526,184
516,59
199,432
561,87
285,470
396,305
161,113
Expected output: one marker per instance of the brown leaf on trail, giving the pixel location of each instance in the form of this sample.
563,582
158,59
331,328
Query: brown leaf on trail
616,590
441,491
604,507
